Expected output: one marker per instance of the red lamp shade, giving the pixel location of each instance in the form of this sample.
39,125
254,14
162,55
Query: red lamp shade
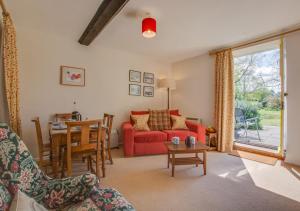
149,27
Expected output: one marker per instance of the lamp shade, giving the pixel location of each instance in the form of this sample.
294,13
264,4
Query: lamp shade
149,27
167,83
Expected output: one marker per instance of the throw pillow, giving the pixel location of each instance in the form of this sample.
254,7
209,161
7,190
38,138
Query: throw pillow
159,120
178,123
137,113
140,122
23,202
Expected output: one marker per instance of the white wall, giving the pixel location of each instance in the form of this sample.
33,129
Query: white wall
194,94
293,99
40,55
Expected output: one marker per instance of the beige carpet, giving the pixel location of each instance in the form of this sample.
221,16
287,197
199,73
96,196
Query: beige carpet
231,184
251,156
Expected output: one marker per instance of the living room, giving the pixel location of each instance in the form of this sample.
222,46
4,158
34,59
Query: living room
186,68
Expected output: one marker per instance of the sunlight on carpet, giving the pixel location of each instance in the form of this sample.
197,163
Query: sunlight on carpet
255,157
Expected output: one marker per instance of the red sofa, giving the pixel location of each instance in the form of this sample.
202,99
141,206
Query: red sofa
152,142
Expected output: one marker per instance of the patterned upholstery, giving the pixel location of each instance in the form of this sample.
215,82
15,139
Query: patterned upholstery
5,197
18,170
159,120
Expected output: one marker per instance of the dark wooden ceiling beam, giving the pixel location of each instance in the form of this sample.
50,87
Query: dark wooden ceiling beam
105,13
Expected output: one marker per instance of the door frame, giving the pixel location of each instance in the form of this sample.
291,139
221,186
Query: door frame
280,152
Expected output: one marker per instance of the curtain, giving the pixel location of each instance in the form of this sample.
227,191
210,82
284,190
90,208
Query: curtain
224,100
3,100
11,73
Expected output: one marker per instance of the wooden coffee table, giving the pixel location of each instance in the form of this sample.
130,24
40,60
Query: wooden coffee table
183,149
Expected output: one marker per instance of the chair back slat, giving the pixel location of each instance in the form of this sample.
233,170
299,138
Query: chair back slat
85,135
107,122
39,136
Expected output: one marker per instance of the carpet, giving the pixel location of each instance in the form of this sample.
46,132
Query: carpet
231,184
256,157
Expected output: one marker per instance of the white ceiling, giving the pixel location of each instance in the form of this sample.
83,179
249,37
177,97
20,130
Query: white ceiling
185,28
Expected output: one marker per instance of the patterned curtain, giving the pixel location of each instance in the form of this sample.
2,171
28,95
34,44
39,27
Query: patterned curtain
11,72
224,100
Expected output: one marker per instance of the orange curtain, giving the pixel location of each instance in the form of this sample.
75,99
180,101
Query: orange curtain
11,72
224,100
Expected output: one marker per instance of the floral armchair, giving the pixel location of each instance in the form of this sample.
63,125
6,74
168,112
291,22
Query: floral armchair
19,171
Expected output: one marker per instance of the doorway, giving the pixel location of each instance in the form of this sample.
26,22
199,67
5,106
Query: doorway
258,78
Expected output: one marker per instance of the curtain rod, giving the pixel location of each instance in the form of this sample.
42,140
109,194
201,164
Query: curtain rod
4,11
256,41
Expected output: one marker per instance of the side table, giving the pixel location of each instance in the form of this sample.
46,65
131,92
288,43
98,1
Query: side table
212,137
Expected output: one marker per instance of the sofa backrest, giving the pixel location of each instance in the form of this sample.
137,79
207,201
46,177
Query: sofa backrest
172,112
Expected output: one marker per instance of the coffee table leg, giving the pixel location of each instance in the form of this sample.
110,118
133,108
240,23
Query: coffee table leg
204,162
168,159
173,164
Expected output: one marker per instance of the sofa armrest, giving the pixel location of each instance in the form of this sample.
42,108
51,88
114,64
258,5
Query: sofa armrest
197,128
109,199
128,138
70,190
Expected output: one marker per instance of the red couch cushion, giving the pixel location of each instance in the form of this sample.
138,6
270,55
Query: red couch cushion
139,112
175,112
182,134
149,136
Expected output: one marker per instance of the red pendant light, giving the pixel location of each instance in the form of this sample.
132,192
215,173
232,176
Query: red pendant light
149,27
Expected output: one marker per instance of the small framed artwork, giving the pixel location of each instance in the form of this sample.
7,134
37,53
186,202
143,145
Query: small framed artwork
148,91
72,76
148,78
135,76
135,89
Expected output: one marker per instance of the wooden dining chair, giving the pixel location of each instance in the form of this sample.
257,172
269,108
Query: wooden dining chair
87,146
107,123
62,117
44,150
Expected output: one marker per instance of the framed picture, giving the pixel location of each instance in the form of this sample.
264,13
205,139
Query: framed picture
148,78
148,91
135,89
72,76
135,76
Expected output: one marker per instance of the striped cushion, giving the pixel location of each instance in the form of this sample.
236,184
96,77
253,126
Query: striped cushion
159,120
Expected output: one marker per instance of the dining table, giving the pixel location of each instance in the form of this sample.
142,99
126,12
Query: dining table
58,139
